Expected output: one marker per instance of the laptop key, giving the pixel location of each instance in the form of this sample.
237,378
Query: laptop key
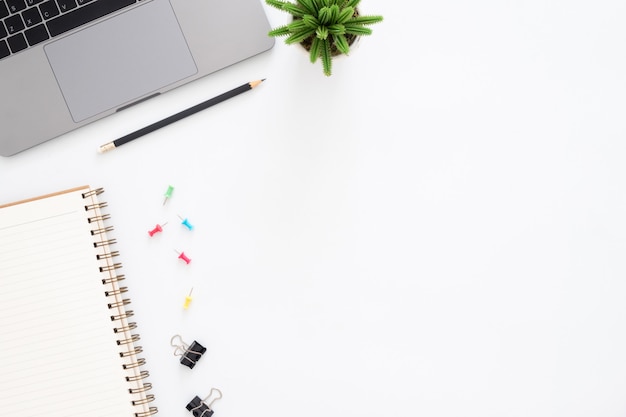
17,43
31,16
14,24
49,9
4,49
3,31
36,34
85,14
4,12
16,5
66,5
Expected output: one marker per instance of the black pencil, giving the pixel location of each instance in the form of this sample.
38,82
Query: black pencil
178,116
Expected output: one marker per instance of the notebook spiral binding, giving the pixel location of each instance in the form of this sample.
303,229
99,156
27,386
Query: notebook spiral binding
114,292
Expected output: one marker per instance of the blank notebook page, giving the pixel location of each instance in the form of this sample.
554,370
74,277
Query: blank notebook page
58,352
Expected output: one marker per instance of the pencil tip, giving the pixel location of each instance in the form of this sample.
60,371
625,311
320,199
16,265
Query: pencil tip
106,147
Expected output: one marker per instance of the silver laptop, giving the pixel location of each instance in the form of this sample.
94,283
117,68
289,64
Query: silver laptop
66,63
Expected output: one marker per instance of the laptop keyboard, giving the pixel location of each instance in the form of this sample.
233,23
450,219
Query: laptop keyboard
25,23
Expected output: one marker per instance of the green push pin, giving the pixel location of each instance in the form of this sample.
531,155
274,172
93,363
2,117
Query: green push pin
168,193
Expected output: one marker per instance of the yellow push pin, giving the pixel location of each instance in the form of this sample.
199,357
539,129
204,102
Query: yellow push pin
188,300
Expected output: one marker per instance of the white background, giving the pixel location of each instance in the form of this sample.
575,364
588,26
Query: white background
436,230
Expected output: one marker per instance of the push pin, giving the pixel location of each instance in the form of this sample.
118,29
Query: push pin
200,408
185,222
189,355
181,255
157,229
168,193
188,300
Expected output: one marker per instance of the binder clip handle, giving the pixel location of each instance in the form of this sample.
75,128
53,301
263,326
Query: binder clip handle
218,395
190,355
181,348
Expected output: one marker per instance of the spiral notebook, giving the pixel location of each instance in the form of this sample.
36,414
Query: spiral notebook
68,345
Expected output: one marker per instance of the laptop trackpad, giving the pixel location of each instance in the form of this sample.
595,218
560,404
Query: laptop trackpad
120,60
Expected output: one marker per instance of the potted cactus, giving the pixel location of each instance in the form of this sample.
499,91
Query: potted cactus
326,28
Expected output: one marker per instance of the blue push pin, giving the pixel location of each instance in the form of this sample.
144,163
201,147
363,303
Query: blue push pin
185,222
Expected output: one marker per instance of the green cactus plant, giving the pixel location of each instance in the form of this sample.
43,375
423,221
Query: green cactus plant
326,27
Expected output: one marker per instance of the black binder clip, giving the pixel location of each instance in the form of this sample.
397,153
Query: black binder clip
200,408
190,355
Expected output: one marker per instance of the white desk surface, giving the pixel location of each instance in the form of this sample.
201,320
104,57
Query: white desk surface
436,230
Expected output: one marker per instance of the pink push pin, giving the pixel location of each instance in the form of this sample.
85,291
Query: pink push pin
157,229
181,255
